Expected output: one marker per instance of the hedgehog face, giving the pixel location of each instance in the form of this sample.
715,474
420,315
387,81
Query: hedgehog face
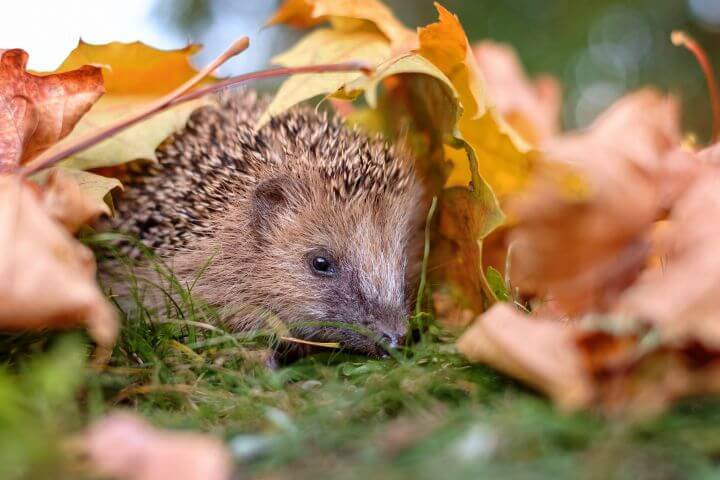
335,271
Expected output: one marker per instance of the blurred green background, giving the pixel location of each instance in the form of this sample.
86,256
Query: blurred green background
599,49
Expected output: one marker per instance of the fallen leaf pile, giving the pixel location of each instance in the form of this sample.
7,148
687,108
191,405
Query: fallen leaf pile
613,246
47,278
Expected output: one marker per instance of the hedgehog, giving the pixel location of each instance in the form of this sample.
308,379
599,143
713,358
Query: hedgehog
304,222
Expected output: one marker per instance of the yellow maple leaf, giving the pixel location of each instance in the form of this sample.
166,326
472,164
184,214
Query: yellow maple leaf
502,155
136,75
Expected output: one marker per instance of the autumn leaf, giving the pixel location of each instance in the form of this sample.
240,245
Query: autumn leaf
297,13
581,243
538,351
47,278
125,447
681,297
39,110
464,220
133,68
501,154
135,75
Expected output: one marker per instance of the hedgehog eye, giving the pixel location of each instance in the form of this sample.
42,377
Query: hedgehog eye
322,264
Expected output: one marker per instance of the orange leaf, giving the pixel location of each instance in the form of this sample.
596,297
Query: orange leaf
36,111
502,155
682,296
135,68
296,13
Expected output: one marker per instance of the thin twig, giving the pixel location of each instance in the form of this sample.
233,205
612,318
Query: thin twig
682,39
275,72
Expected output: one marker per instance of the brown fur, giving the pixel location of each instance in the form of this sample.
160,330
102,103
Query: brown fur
264,203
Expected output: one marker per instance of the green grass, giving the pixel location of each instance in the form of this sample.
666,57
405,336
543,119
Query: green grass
424,413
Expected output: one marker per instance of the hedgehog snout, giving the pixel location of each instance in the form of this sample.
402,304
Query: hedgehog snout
391,325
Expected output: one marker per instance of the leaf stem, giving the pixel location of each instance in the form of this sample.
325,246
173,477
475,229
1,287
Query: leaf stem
682,39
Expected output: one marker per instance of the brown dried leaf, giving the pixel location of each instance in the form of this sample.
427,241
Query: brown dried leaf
581,242
125,447
682,296
37,111
633,380
531,107
674,305
538,351
47,278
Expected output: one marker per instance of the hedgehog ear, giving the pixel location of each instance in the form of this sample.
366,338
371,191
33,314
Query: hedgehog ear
271,197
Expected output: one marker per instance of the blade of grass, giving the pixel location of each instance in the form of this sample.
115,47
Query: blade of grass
426,256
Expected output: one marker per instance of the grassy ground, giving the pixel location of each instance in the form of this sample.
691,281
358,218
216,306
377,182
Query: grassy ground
423,413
